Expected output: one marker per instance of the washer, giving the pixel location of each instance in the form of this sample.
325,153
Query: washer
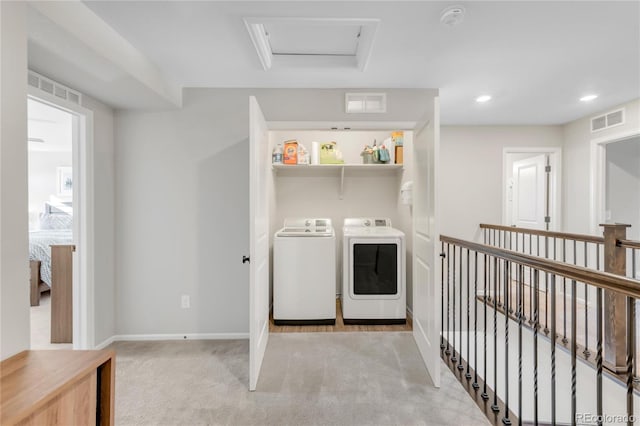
304,272
374,272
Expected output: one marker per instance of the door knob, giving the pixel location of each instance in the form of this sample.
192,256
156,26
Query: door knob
246,259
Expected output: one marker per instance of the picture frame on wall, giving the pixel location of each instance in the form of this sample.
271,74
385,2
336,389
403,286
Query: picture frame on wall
65,181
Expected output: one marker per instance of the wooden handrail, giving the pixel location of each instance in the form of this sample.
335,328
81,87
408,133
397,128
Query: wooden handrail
617,283
554,234
629,244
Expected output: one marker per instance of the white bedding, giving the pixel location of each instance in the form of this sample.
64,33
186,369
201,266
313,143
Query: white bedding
39,248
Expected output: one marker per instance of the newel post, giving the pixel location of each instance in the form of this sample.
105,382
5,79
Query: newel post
615,305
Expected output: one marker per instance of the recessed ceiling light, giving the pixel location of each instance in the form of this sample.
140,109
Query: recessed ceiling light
588,98
483,98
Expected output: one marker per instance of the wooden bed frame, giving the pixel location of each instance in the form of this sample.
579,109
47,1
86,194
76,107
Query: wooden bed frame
61,291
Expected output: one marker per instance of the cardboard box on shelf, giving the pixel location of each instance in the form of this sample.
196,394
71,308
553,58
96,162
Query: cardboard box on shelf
399,154
290,152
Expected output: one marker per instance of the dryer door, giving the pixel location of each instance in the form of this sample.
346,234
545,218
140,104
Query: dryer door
376,268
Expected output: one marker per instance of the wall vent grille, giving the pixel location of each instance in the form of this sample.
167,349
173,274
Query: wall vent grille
605,121
365,103
47,85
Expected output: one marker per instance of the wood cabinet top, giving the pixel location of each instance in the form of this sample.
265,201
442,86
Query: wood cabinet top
30,379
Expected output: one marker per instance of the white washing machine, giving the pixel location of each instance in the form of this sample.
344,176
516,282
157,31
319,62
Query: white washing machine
304,272
374,272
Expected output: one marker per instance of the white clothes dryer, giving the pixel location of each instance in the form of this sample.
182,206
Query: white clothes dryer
374,272
304,272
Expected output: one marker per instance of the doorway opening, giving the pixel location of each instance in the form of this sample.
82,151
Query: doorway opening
531,188
60,215
51,216
615,196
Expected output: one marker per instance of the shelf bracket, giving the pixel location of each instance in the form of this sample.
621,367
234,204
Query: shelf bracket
341,193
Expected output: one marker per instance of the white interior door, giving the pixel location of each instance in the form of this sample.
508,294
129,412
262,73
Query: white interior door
259,241
426,291
530,192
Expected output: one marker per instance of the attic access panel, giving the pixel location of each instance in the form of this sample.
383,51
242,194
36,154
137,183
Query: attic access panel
320,39
312,42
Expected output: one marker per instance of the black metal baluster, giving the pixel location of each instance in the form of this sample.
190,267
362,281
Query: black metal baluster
574,348
564,295
460,366
636,379
454,358
495,406
530,284
586,352
507,301
468,373
475,322
442,256
520,302
546,288
631,327
485,395
599,325
553,349
536,277
498,294
448,350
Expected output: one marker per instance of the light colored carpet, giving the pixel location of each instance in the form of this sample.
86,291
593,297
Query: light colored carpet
41,325
373,378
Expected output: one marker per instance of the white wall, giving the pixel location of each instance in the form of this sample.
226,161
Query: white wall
182,203
14,271
623,184
43,176
471,172
577,166
14,265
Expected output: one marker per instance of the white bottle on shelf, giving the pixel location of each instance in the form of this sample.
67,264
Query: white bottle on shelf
276,157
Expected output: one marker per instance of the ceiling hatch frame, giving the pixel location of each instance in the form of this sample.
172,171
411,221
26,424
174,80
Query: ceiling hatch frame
257,27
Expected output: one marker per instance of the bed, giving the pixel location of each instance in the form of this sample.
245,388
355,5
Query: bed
54,230
51,260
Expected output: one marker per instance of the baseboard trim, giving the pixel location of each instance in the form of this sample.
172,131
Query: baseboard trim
106,343
186,336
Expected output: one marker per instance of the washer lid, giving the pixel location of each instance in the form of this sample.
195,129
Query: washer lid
307,222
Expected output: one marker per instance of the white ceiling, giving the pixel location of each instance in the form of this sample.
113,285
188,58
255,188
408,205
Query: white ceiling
535,58
49,128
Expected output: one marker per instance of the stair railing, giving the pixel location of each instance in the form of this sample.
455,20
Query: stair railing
500,314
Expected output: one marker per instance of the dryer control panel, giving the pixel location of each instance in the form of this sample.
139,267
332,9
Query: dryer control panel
360,222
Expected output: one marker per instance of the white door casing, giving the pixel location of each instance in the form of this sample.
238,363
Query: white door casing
530,192
258,241
598,176
426,290
83,212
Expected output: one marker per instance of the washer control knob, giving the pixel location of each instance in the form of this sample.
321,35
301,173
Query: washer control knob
367,222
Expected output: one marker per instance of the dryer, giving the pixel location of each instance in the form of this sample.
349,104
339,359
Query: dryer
304,272
374,272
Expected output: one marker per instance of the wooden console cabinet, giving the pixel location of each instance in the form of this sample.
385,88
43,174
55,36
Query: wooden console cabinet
58,388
